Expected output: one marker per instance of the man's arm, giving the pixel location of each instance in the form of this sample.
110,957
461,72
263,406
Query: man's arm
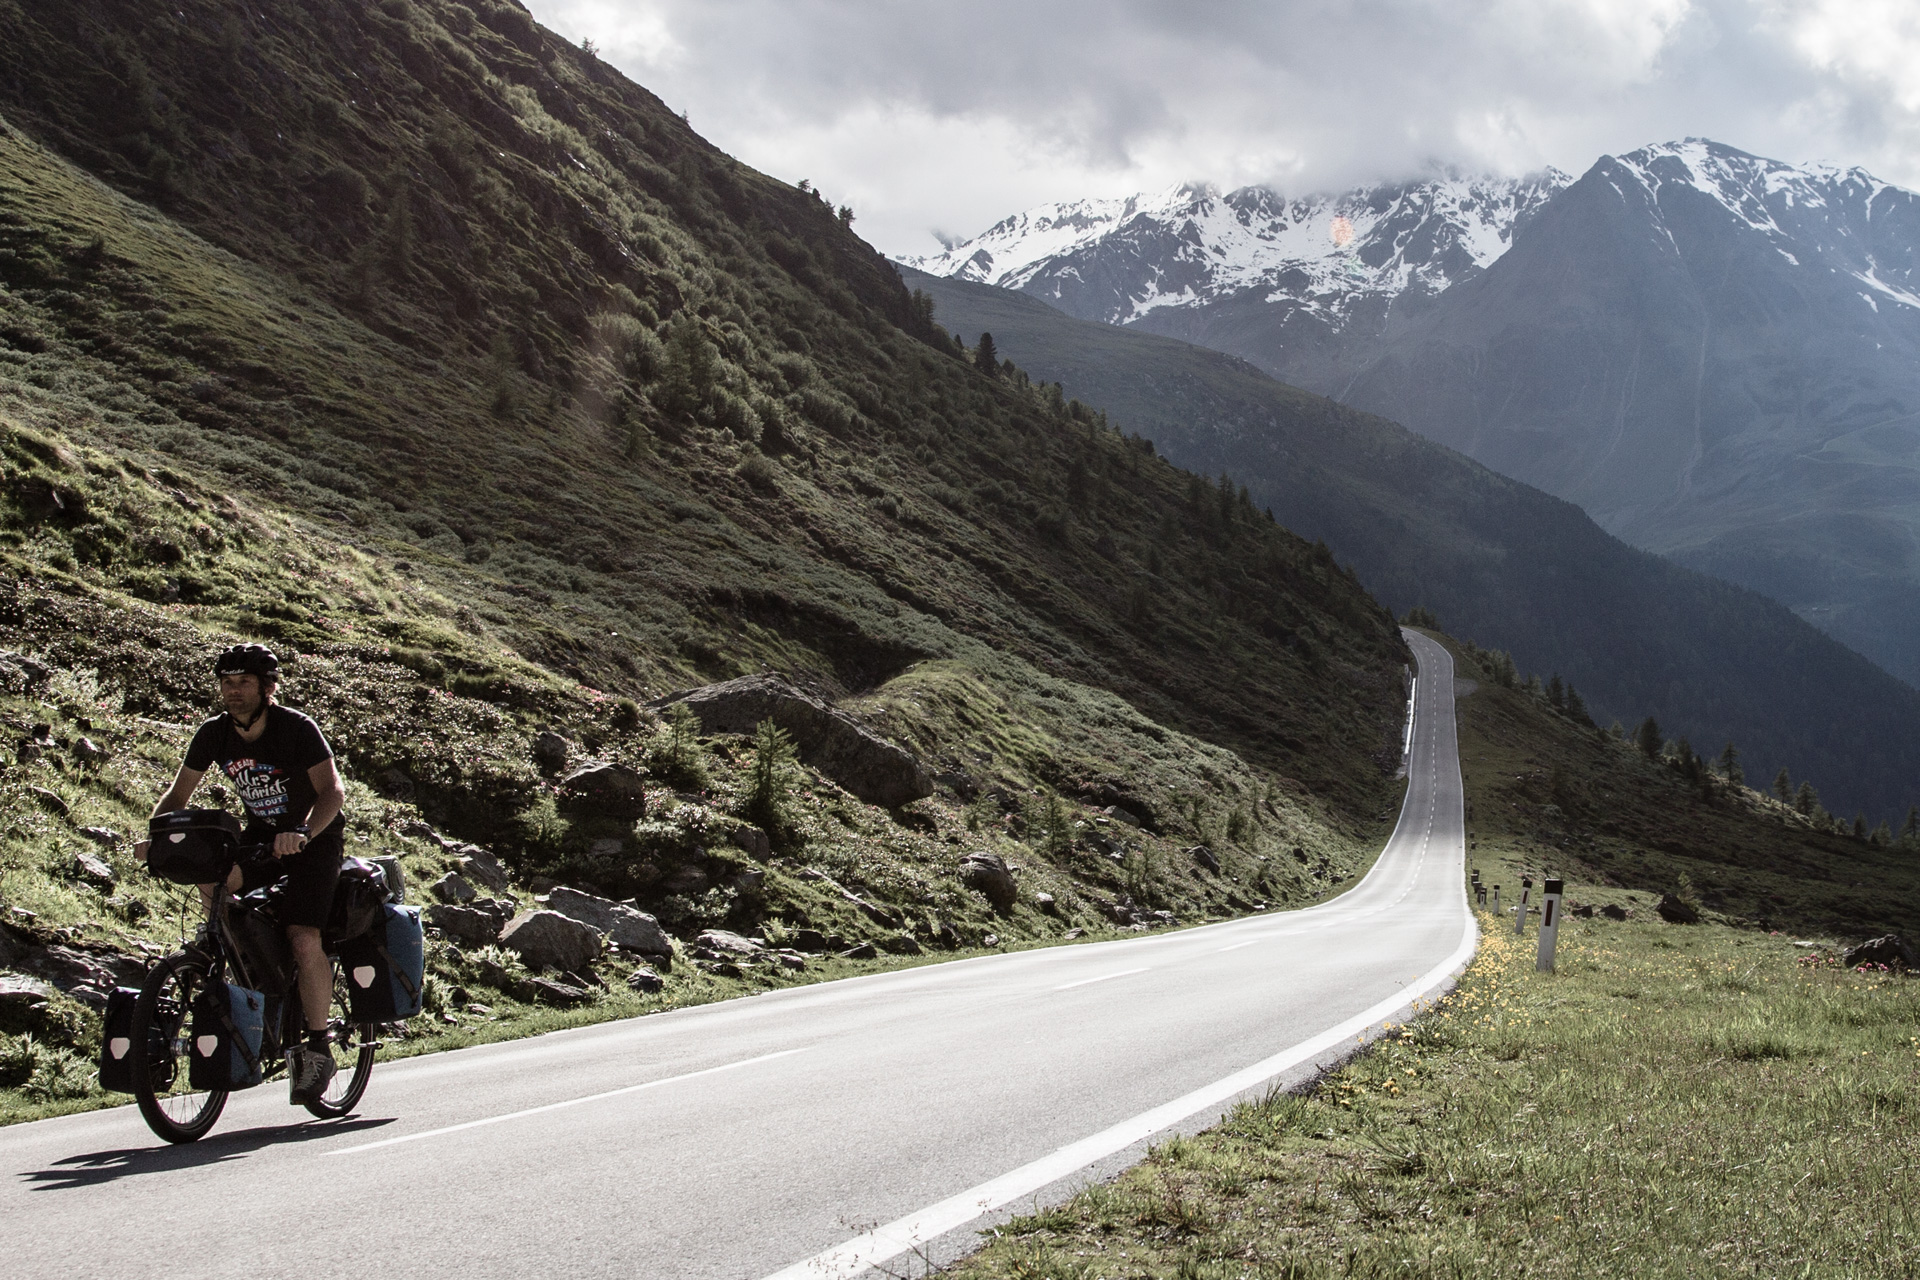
329,796
177,796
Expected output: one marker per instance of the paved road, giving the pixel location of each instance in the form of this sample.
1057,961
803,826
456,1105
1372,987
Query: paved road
800,1133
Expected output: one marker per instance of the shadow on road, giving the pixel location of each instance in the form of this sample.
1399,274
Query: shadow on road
101,1167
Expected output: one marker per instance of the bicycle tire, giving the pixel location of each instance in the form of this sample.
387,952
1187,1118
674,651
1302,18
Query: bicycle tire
171,1108
353,1062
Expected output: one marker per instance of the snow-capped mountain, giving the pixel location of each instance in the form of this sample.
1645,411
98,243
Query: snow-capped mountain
1332,257
1715,354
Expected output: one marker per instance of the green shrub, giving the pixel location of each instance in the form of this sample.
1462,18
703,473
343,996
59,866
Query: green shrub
675,756
764,801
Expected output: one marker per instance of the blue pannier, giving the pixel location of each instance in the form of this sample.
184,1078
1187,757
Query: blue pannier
228,1022
386,966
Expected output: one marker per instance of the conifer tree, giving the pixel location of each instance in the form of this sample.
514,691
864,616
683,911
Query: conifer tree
985,358
1730,766
1577,707
1557,692
1910,830
1859,825
1649,738
1783,787
1806,799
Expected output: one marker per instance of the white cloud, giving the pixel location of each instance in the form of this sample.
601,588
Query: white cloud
947,117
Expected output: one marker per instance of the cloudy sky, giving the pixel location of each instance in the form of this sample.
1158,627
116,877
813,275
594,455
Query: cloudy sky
936,120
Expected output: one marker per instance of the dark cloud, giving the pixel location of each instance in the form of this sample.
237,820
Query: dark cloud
950,116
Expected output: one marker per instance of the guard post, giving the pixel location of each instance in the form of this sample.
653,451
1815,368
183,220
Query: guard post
1549,924
1496,899
1520,914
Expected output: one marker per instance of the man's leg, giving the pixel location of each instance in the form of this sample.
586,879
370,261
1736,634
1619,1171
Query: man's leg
315,974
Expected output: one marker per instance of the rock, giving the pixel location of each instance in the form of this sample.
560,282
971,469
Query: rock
422,831
987,873
499,908
542,885
686,880
606,849
750,882
28,751
884,916
646,980
722,968
958,782
752,840
1581,911
1074,933
810,940
92,870
1674,911
1045,902
945,934
88,751
549,940
860,951
791,960
902,944
1613,911
395,782
22,1000
1891,950
608,790
732,943
105,837
550,752
565,995
828,739
1204,857
51,801
464,925
453,887
991,940
482,866
628,928
1119,814
1159,917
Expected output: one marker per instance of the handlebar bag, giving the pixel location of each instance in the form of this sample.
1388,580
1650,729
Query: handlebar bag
192,846
357,898
386,966
119,1064
228,1021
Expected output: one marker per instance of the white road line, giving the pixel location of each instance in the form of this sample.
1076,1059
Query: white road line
882,1244
570,1102
1236,946
1087,982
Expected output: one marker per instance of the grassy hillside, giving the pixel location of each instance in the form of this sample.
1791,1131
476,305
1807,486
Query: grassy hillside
423,346
1519,569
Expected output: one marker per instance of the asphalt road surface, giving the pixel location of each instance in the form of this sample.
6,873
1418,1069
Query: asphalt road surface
810,1132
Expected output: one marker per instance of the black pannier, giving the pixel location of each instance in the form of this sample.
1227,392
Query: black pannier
263,951
357,898
119,1063
228,1024
192,846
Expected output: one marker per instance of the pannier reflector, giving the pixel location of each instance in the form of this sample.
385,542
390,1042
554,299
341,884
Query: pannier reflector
177,837
118,1046
363,976
206,1045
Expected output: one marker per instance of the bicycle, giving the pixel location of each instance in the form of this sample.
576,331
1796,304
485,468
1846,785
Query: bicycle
171,1107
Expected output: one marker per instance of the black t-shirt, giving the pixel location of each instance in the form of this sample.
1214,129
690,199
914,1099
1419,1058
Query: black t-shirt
270,773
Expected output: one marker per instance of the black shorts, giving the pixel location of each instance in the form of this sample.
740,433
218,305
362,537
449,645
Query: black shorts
310,874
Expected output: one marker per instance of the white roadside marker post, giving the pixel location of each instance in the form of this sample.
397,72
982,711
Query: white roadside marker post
1549,924
1496,899
1520,913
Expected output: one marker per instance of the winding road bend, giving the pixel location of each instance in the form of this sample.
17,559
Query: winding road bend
806,1133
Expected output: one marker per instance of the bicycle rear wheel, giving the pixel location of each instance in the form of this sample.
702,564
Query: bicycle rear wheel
353,1045
171,1107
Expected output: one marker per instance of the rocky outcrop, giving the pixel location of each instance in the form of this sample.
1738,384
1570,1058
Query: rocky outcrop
605,790
1674,911
828,739
988,874
465,925
549,940
1892,951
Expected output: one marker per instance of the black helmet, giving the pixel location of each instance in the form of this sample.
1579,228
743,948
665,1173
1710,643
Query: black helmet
248,660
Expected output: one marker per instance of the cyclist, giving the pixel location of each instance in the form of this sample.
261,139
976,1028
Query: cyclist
280,764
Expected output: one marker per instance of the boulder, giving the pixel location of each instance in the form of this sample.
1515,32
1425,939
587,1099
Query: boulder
1891,950
105,837
606,790
1613,911
87,751
1045,902
752,840
750,882
549,940
628,928
1204,857
1674,911
550,751
1581,911
51,801
563,994
809,940
1120,814
93,871
686,880
732,943
901,944
860,951
481,865
828,739
22,999
499,908
987,873
646,980
453,887
464,925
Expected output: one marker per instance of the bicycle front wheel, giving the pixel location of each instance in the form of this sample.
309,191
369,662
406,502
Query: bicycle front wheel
171,1106
353,1045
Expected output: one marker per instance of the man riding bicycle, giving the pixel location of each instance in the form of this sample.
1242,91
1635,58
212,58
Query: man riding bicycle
279,763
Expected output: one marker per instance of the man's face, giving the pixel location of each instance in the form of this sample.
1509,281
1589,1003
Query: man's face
240,694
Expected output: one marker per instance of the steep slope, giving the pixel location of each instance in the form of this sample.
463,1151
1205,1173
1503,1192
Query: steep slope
1718,357
1291,283
1519,569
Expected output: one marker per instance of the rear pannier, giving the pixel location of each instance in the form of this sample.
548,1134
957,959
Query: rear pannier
385,966
119,1064
227,1025
192,846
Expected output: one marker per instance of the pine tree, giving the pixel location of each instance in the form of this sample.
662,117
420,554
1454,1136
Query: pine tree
1557,692
1910,831
1806,799
1783,787
985,358
1730,766
1649,738
1859,825
1577,708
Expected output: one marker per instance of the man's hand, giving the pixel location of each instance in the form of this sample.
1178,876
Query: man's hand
288,843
